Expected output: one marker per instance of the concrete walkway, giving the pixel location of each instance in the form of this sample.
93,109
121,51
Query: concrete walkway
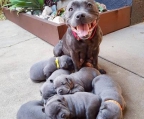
121,55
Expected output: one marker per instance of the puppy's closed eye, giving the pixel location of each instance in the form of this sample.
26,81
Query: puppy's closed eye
103,107
63,83
59,100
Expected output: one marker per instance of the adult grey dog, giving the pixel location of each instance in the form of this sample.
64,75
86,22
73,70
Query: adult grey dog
40,71
112,100
31,110
47,89
81,105
76,82
83,36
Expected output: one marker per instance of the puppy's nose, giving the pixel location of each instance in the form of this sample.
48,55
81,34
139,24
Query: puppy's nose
80,15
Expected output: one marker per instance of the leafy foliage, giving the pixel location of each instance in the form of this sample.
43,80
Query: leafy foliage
3,2
26,5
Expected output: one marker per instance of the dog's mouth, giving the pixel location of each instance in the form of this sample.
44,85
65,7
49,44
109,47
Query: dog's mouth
84,30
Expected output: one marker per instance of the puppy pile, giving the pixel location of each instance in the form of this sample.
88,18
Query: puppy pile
75,86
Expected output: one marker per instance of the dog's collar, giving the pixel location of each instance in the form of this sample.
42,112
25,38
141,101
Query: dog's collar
115,102
57,63
92,35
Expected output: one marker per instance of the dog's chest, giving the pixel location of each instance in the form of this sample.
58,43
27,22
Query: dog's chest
92,43
79,46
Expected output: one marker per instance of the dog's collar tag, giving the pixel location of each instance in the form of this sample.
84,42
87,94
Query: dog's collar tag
57,62
115,102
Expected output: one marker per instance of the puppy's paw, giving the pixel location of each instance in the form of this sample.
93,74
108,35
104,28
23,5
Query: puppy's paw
102,71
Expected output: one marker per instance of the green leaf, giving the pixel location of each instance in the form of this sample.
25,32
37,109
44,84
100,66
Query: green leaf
41,2
27,4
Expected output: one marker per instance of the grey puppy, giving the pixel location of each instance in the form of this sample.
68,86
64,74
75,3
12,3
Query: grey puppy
81,105
40,71
31,110
47,89
76,82
112,100
83,36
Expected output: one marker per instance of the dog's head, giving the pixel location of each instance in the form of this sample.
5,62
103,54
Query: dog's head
109,110
82,17
66,62
47,90
63,84
56,108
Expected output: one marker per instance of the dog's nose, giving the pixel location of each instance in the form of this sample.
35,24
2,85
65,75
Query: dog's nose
80,15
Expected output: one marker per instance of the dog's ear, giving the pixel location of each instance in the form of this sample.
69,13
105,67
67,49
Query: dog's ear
61,98
69,80
64,65
43,110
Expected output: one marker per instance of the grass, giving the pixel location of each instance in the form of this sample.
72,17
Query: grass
2,17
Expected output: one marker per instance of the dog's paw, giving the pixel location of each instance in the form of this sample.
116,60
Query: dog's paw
88,64
102,71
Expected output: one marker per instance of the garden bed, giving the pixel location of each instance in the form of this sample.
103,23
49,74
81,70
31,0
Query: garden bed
51,32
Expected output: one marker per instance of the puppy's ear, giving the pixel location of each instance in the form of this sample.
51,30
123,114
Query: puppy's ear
60,99
68,80
64,65
43,110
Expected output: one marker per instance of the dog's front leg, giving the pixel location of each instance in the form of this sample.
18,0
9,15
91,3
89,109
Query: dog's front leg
57,51
95,58
95,61
75,59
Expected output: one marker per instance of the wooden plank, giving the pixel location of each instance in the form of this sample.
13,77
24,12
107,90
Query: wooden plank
51,32
137,14
43,29
115,20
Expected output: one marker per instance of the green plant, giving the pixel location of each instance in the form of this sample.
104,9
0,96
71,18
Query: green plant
26,5
3,2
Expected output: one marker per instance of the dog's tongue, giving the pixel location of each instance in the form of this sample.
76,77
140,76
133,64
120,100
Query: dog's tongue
82,30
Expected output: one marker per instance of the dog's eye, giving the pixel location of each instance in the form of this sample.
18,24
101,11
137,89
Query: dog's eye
70,9
89,5
63,115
